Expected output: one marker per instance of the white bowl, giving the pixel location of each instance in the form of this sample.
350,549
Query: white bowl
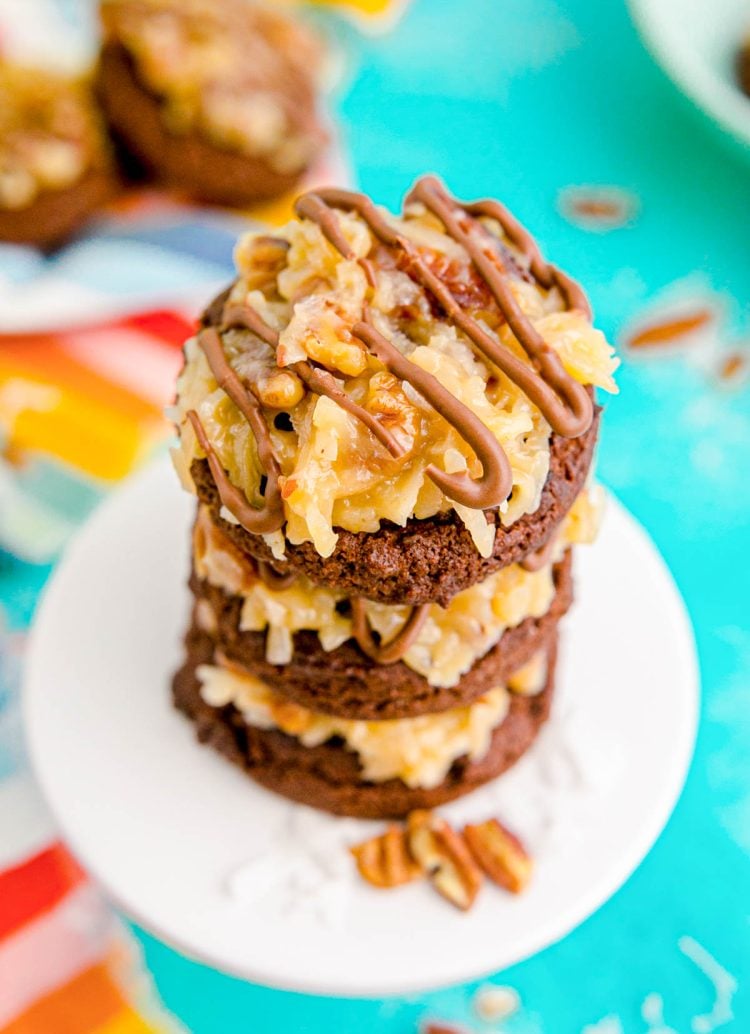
696,43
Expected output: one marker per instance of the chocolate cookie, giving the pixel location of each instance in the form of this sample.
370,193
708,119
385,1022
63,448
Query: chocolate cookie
346,683
56,163
208,172
54,215
328,776
427,560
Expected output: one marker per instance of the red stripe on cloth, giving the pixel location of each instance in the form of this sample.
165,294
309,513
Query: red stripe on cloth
35,886
164,324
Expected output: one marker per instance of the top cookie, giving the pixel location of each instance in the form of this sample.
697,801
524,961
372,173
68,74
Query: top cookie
371,376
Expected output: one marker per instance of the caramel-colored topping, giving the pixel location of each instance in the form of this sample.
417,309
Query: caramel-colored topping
496,482
443,333
393,651
563,401
324,383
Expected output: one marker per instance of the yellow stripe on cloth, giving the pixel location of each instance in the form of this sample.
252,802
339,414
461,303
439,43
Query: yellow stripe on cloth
102,433
128,1022
371,8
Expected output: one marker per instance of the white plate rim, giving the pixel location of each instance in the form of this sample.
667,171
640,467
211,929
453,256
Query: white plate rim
564,922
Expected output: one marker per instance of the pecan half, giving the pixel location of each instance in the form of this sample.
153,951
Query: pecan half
444,856
500,854
384,861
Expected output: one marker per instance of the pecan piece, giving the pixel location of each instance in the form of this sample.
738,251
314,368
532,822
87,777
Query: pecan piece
384,861
500,854
444,856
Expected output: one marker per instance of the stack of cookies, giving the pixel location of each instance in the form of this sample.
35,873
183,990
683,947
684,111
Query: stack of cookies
389,424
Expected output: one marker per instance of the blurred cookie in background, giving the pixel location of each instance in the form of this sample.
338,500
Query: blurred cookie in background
55,159
743,65
217,97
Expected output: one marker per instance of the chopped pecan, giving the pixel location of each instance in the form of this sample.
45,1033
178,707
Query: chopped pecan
444,856
384,861
265,257
500,854
670,329
733,367
281,389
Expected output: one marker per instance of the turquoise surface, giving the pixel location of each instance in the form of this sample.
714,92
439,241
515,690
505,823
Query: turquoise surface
521,98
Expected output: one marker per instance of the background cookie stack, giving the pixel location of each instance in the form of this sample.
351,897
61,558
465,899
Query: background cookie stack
389,426
216,99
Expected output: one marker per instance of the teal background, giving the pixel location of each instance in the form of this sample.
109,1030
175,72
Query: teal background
519,98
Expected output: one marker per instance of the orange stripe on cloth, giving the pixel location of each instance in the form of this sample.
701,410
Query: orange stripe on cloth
50,403
44,359
36,886
82,1006
139,362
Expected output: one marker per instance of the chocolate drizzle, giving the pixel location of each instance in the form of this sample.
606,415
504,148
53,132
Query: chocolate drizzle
235,314
272,579
324,383
540,557
564,402
270,517
393,651
497,480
